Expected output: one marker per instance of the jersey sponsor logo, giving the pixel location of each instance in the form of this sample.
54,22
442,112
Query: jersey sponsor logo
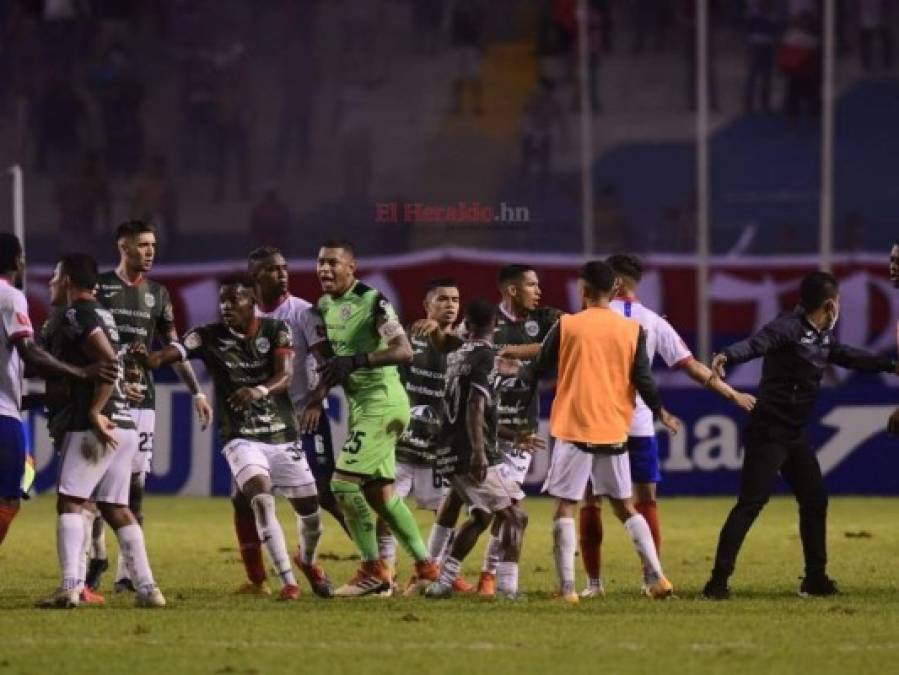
193,341
224,343
531,327
149,300
263,344
346,312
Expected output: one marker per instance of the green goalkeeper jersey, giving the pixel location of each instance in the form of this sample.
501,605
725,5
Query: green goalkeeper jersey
362,321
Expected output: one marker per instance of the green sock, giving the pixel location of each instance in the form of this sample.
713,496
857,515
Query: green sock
359,517
405,529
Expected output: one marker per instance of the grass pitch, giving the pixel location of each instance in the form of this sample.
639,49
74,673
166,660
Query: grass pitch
766,628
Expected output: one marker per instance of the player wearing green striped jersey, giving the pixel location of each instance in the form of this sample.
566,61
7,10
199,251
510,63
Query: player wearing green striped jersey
368,343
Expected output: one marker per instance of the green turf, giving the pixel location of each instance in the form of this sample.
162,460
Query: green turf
206,629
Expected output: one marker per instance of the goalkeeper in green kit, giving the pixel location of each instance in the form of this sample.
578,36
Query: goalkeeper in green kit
368,343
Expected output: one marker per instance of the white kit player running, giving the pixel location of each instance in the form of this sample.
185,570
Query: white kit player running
642,444
98,444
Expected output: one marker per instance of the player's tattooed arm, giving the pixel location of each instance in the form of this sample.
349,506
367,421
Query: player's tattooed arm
43,362
474,427
278,383
98,349
702,374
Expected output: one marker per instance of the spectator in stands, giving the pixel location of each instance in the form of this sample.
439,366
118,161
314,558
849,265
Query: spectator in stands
270,221
543,117
467,34
875,24
154,199
762,32
687,16
799,59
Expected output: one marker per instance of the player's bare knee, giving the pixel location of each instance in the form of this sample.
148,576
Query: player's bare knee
565,508
257,485
116,515
623,508
67,504
305,506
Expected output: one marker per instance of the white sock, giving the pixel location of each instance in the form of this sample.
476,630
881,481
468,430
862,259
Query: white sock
88,519
387,549
438,541
564,546
310,529
133,550
69,544
641,535
492,555
449,571
98,541
121,570
272,536
507,578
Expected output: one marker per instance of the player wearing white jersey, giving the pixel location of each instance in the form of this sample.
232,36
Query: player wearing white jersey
643,450
267,268
17,348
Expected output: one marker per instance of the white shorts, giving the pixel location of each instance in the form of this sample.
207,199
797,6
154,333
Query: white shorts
418,481
494,494
108,479
517,463
145,421
571,468
285,464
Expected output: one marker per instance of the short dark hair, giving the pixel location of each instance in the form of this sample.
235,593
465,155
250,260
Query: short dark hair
441,282
81,269
237,279
132,228
480,314
626,265
817,288
10,250
512,273
257,255
345,244
598,276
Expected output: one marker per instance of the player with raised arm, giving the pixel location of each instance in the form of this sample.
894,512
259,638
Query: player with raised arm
18,348
521,321
642,444
471,460
251,361
267,269
143,313
602,364
99,443
424,380
368,343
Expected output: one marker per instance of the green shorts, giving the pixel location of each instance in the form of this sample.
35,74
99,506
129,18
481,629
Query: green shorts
370,447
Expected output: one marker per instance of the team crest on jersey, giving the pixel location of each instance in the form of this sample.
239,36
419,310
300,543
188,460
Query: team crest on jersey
193,341
346,312
263,345
531,328
149,300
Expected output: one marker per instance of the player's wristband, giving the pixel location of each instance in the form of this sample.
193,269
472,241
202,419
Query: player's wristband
199,395
262,389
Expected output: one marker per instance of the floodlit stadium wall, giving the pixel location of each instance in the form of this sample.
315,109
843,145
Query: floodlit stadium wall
856,456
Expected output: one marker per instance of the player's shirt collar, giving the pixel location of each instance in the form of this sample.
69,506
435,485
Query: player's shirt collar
127,282
509,314
4,280
251,333
280,301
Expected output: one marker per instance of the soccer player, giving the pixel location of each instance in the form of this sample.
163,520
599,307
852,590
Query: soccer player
368,343
98,445
522,320
471,460
796,347
251,361
17,348
642,444
424,380
143,313
267,269
602,363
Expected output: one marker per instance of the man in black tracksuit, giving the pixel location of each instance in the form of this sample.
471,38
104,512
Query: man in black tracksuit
797,347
